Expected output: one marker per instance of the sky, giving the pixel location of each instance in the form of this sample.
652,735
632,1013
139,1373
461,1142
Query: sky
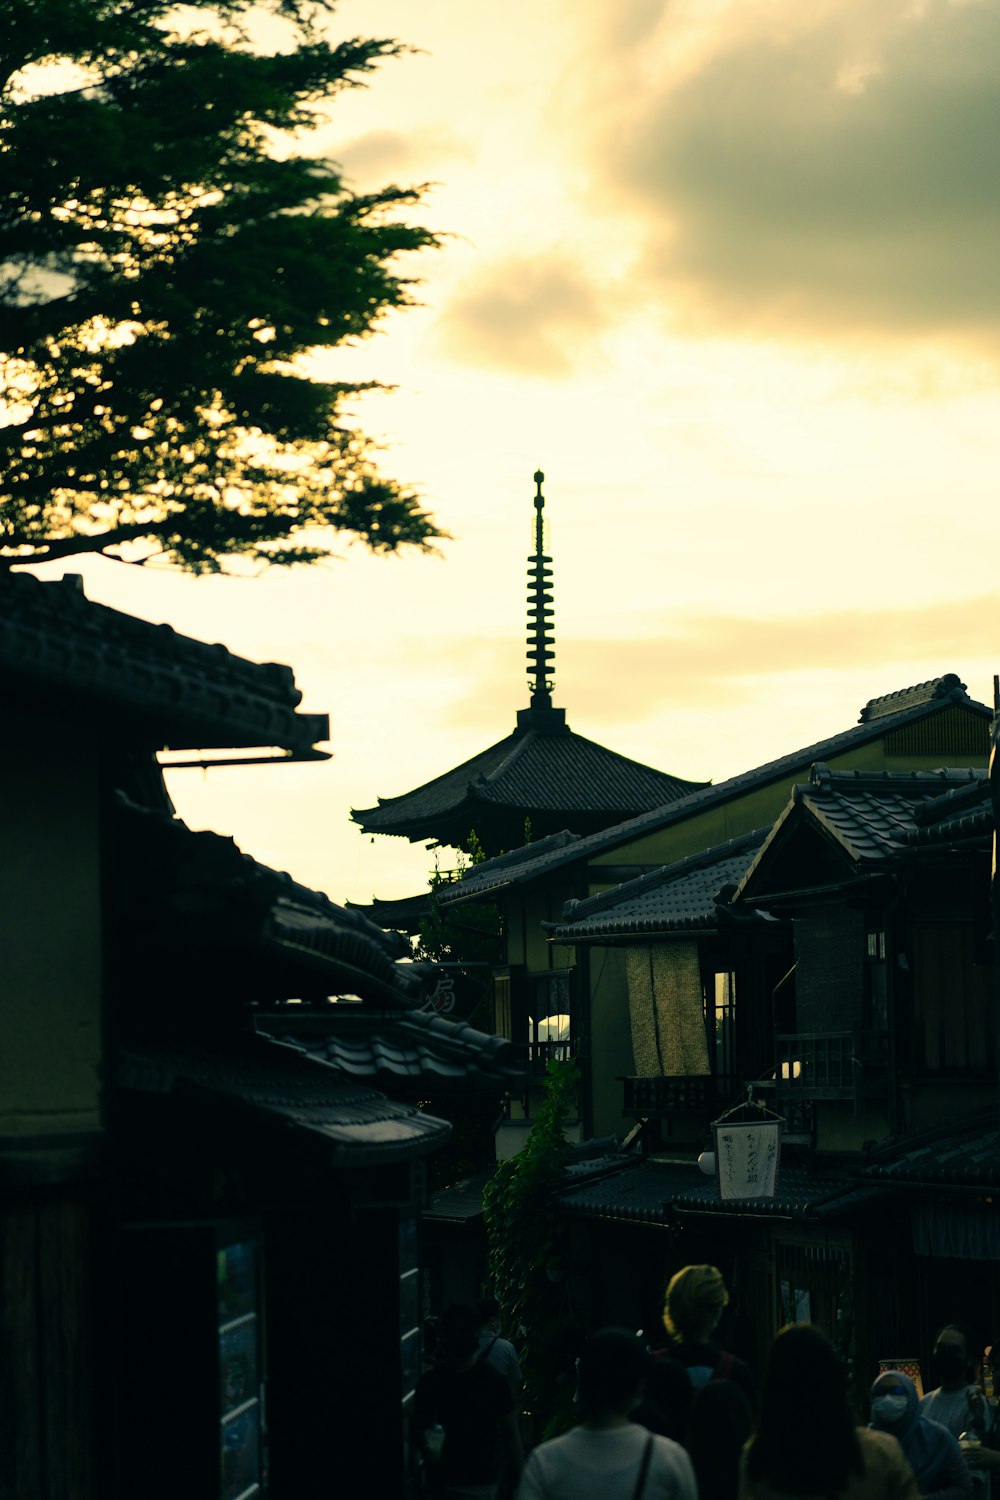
727,271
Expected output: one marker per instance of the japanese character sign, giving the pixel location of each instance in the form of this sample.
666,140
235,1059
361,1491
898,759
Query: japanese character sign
746,1158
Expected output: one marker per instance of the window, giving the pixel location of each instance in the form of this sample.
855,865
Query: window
875,1002
549,1016
502,1018
720,1023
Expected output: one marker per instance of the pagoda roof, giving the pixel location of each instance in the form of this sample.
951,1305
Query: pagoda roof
542,770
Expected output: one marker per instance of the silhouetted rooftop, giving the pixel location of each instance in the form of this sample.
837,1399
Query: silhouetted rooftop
872,817
538,773
146,684
680,897
542,772
260,1080
919,704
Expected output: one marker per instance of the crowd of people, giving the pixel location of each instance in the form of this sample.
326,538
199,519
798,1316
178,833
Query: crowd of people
689,1421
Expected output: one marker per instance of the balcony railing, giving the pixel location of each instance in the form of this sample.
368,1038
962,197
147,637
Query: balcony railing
831,1064
540,1054
678,1095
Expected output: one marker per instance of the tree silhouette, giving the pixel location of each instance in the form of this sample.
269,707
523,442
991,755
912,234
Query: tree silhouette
168,256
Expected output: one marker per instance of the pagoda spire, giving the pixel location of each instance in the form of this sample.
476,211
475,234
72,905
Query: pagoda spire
541,644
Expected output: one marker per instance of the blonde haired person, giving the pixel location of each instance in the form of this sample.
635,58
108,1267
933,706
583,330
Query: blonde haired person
694,1302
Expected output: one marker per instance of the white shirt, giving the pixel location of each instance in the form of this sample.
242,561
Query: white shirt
502,1355
602,1463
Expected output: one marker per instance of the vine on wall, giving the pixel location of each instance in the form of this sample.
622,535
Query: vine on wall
528,1247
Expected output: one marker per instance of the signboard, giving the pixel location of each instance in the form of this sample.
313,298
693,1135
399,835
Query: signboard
458,990
746,1157
909,1365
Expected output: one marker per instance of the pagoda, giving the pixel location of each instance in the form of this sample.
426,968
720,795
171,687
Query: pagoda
542,778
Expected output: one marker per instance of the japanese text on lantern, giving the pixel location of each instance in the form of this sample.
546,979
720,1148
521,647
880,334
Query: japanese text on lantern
747,1158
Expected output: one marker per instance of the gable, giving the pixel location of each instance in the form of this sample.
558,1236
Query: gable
804,858
952,737
955,735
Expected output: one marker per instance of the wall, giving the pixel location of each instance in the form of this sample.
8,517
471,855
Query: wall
611,1039
50,918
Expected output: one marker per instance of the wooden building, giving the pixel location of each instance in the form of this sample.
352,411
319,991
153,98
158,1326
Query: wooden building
209,1179
553,995
867,904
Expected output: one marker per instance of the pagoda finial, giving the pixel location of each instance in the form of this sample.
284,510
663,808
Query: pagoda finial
541,652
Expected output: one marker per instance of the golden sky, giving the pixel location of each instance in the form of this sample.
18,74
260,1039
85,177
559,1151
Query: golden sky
727,270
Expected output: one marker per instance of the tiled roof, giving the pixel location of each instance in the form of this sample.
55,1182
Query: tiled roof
674,898
649,1191
362,1127
187,895
405,914
149,684
535,770
407,1047
963,1154
922,693
958,815
932,698
871,815
458,1203
177,892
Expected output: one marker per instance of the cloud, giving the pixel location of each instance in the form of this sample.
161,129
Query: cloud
709,659
822,169
533,315
381,156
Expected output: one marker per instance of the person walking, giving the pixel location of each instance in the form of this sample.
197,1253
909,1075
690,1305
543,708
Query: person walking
694,1302
806,1443
497,1351
721,1422
958,1403
608,1456
466,1424
930,1449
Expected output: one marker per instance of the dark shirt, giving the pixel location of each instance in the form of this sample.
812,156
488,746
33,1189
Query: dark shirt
469,1405
699,1358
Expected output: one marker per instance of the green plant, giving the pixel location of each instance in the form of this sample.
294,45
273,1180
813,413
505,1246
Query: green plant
174,260
528,1246
470,935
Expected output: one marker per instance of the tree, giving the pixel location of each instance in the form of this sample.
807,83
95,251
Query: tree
472,934
169,258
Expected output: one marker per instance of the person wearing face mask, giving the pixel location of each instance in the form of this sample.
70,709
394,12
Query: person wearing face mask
931,1451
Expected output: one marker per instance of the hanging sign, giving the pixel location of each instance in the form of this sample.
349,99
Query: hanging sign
746,1155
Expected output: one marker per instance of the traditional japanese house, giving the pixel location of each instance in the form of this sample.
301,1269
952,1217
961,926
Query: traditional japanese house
542,777
877,1051
593,998
200,1211
886,1035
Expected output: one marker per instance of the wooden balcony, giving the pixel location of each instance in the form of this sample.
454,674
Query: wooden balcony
851,1065
540,1054
678,1096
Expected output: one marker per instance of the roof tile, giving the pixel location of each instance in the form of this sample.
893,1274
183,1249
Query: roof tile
932,698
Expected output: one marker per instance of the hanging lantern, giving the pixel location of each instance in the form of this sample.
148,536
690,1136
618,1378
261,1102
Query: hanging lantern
747,1146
